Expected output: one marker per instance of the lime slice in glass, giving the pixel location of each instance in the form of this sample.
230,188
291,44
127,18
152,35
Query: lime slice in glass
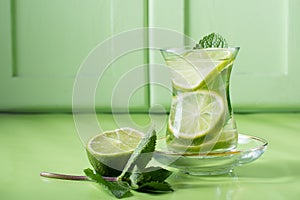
195,117
109,151
193,69
224,141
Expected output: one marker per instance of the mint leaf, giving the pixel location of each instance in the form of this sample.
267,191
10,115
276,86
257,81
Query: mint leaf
152,181
150,174
115,188
213,40
142,155
155,187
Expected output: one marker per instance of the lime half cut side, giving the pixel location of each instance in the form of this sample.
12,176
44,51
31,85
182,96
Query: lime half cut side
195,117
109,151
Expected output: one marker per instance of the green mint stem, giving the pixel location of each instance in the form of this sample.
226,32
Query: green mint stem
73,177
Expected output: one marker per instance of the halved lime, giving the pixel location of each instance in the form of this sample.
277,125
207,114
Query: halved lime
195,117
109,151
192,70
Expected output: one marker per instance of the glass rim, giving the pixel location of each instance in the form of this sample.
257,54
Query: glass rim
192,48
170,53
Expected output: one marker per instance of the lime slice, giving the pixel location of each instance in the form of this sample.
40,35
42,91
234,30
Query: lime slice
194,69
226,140
195,117
109,151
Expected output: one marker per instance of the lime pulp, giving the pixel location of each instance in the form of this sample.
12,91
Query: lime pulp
109,151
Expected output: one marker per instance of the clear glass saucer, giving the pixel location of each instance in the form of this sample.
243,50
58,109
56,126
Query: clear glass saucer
249,148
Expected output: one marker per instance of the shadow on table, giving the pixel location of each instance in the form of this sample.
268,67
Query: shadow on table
285,171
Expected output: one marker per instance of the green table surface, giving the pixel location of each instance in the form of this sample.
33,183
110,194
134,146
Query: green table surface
32,143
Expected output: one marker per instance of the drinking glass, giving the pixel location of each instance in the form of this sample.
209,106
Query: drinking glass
201,116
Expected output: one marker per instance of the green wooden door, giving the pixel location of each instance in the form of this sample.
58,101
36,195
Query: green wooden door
44,42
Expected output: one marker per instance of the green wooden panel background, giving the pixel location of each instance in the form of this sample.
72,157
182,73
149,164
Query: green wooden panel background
43,43
265,75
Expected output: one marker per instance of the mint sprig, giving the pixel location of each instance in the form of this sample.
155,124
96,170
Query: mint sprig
136,176
213,40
